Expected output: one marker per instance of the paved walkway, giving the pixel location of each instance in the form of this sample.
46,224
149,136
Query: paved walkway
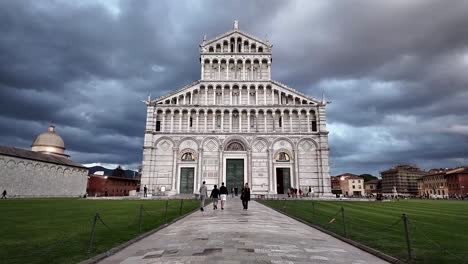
259,235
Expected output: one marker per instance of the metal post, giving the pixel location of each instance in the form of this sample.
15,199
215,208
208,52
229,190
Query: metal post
181,205
165,211
140,218
408,242
344,223
93,231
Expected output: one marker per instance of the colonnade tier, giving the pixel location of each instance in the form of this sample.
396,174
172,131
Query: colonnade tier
235,69
235,45
235,94
234,110
235,120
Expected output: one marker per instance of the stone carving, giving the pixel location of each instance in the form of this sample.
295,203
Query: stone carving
210,145
235,146
259,146
164,145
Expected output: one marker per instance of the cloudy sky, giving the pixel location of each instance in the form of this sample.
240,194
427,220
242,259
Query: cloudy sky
395,71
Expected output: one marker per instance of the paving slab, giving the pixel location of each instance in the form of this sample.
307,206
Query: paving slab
234,236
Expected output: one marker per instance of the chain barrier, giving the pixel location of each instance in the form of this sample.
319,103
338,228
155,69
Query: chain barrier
428,239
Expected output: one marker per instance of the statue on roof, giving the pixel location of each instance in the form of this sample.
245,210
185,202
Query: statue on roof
236,24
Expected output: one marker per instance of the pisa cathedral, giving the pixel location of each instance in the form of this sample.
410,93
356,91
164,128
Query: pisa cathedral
236,125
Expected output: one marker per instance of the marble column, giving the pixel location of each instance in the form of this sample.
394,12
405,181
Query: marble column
214,120
206,121
222,121
180,121
174,168
240,121
172,122
202,70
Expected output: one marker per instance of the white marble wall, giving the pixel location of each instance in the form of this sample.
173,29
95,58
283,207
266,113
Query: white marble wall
308,165
27,178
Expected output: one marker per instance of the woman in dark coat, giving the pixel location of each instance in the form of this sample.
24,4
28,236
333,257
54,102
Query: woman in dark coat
245,196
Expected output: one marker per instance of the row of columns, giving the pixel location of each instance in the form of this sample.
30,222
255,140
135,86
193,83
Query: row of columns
244,75
249,123
187,99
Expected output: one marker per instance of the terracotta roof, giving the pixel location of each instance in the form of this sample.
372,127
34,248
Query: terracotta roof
114,177
32,155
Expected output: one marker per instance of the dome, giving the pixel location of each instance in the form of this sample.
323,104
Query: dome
49,142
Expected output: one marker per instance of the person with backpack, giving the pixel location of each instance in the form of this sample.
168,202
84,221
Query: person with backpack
215,195
224,192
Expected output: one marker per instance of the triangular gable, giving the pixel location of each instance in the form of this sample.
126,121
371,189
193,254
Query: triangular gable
188,86
231,32
292,90
282,85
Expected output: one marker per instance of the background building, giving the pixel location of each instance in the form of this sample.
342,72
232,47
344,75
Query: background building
444,183
373,187
236,125
101,185
351,184
403,179
44,171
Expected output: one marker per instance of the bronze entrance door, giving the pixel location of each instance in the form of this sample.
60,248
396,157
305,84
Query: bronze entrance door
283,180
234,174
186,180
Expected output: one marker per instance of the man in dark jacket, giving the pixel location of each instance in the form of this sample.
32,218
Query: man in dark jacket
245,196
215,195
223,192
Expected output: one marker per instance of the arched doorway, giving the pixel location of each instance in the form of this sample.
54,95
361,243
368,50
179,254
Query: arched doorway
235,165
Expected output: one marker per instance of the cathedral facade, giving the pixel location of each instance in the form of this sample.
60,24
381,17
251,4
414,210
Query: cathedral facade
236,125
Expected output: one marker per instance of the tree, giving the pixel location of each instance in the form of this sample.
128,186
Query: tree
368,177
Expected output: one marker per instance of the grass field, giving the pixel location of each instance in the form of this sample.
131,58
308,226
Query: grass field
58,230
438,229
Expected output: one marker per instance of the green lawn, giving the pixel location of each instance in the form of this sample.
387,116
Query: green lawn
438,229
58,230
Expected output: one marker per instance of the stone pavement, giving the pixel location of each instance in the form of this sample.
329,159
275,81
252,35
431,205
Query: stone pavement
259,235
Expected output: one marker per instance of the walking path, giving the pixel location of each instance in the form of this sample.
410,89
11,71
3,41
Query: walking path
259,235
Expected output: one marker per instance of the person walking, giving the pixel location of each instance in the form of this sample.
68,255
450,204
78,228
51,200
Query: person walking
215,195
145,191
235,190
4,193
224,192
310,191
203,195
232,192
245,196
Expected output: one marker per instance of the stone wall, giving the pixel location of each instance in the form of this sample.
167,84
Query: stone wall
308,164
28,178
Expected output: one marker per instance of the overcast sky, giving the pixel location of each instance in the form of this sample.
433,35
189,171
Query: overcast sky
395,71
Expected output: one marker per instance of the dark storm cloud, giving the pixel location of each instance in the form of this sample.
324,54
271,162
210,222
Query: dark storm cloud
395,71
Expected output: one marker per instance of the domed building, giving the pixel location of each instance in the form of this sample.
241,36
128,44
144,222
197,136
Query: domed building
44,171
49,142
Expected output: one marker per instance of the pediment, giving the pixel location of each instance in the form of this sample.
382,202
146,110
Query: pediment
275,84
236,34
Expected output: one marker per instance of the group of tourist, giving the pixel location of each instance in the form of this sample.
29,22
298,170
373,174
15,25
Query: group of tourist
294,192
222,194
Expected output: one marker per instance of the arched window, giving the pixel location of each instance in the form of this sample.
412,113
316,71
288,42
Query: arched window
260,49
211,49
282,157
235,146
188,157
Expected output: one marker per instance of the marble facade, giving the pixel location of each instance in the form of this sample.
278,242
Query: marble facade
236,125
